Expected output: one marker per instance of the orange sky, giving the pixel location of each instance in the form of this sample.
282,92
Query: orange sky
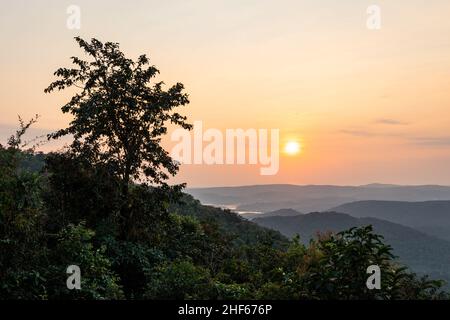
367,105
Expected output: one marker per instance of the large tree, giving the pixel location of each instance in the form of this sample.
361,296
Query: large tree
120,112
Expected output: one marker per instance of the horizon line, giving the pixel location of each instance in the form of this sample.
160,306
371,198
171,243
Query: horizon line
382,185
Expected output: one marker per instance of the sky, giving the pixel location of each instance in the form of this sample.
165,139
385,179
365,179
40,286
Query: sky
365,105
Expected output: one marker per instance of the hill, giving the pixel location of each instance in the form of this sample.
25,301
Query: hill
432,217
311,198
242,230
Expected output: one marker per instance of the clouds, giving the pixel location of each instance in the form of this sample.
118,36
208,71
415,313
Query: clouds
425,141
432,141
388,121
376,130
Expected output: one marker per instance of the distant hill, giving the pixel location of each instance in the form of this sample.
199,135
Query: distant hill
432,217
379,185
277,213
421,252
311,198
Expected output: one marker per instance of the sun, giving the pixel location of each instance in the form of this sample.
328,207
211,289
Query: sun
292,147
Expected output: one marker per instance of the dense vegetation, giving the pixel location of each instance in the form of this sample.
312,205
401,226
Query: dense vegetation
422,253
103,204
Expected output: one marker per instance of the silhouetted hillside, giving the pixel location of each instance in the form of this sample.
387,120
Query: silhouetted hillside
242,230
432,217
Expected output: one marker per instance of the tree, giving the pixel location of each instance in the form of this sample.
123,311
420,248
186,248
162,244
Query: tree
21,221
339,270
74,246
180,280
120,114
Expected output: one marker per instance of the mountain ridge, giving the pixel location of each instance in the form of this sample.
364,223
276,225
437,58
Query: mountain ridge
311,198
432,217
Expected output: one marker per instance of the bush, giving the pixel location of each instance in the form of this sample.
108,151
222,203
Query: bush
180,280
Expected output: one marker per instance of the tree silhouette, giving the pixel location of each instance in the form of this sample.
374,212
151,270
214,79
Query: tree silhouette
120,114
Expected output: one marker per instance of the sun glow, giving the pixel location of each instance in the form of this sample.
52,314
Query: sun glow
292,147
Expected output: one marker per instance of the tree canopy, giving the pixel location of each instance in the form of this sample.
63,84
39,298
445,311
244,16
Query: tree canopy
121,112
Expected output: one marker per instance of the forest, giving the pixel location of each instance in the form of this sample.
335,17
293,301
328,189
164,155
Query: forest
104,204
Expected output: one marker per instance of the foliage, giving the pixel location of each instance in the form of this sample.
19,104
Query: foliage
118,117
21,217
340,272
74,247
180,280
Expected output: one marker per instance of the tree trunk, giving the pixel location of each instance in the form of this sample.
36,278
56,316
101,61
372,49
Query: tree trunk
125,214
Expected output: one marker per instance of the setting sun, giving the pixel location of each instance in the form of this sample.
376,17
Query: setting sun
292,147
